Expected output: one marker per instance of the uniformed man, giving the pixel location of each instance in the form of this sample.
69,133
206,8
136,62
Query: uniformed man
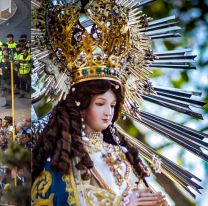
6,81
1,55
5,52
24,71
16,68
18,51
0,49
4,47
11,44
24,41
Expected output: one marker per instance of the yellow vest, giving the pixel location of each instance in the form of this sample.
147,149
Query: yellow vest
16,56
25,65
12,45
1,56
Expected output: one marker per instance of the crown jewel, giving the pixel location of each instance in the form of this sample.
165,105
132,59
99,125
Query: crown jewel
99,42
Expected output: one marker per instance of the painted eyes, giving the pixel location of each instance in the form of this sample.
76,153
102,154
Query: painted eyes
101,104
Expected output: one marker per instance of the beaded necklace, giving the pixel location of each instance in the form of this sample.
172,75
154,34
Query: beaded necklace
112,155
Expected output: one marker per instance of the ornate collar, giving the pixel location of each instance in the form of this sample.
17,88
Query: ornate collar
95,136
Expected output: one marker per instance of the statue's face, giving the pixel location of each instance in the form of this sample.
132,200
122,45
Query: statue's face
99,114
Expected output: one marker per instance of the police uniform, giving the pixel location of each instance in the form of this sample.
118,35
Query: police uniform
11,44
16,68
6,82
24,72
1,51
1,58
1,55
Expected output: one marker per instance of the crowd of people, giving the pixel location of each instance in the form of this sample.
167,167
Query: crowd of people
23,137
18,55
22,131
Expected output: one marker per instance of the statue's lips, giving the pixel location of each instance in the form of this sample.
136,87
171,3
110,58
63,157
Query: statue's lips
105,120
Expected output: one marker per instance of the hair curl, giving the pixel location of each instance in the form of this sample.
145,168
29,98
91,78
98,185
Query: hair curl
61,138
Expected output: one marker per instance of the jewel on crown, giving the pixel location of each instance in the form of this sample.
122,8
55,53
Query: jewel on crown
93,44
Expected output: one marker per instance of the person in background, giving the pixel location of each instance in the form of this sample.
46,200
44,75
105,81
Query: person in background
24,72
24,41
7,124
20,176
16,56
27,126
6,81
11,43
0,123
3,48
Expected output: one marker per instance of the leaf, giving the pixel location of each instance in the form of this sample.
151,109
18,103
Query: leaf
156,73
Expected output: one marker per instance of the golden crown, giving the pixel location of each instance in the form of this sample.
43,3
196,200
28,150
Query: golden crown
99,42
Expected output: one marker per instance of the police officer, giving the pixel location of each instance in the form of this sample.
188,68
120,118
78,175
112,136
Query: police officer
24,41
18,51
4,51
11,44
2,48
6,80
24,71
16,68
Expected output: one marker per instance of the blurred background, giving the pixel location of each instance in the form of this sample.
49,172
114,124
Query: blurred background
193,19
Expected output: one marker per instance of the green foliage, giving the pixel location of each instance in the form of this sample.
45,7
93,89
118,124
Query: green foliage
181,81
15,195
44,109
156,73
158,9
17,157
206,106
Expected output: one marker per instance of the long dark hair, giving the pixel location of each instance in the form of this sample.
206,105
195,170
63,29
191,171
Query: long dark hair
61,138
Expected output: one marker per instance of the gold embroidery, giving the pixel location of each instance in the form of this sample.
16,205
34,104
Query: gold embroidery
73,199
100,197
40,188
44,202
113,157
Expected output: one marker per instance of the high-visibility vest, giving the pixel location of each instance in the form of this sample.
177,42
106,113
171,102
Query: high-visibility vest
1,56
25,65
1,43
16,56
12,45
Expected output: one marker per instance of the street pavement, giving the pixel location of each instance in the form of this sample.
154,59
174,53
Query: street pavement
22,108
19,24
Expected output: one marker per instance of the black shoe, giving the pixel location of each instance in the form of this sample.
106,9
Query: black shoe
6,105
22,96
